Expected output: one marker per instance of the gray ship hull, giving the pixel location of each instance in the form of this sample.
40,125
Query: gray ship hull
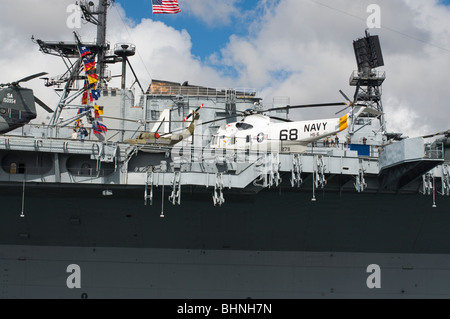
277,244
272,220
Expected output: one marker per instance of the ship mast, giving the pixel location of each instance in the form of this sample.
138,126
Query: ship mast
101,39
367,80
67,83
101,22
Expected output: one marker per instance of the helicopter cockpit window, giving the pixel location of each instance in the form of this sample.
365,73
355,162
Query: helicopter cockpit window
244,126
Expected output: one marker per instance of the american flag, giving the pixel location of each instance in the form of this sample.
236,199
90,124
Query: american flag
165,6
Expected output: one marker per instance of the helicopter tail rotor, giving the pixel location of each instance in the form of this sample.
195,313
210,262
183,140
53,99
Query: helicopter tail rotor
346,97
351,103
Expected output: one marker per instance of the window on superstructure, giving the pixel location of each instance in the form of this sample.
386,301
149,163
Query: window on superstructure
155,115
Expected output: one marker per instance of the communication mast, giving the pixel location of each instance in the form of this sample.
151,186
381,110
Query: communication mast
367,80
69,82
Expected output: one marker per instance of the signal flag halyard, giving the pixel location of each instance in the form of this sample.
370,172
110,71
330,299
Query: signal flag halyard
96,130
165,6
102,127
90,84
89,65
98,111
92,78
99,128
84,50
95,94
84,98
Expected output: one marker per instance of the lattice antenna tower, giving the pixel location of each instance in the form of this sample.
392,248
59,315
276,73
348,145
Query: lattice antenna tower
367,80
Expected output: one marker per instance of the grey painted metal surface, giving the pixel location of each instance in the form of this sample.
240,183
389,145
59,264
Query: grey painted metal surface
41,272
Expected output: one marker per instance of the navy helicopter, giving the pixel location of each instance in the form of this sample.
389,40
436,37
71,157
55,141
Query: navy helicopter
17,104
256,131
155,137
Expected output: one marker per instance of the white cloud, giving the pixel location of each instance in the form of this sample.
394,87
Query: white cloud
19,21
162,52
213,13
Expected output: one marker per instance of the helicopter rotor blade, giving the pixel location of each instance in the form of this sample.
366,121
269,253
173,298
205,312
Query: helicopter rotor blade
446,133
28,78
348,99
343,110
303,106
352,103
142,122
430,136
345,96
280,119
43,105
219,119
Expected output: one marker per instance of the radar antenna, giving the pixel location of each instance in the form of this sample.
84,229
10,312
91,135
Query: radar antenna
367,80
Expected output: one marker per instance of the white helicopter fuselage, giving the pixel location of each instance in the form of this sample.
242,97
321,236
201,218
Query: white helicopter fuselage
258,133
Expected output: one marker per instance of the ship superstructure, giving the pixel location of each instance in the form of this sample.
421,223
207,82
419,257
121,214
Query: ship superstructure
188,220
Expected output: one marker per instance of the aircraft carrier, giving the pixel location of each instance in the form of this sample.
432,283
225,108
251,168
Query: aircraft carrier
114,217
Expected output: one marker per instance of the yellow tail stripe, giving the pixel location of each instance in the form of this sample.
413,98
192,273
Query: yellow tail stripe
343,123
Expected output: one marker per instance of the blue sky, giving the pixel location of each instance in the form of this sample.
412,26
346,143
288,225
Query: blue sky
207,38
